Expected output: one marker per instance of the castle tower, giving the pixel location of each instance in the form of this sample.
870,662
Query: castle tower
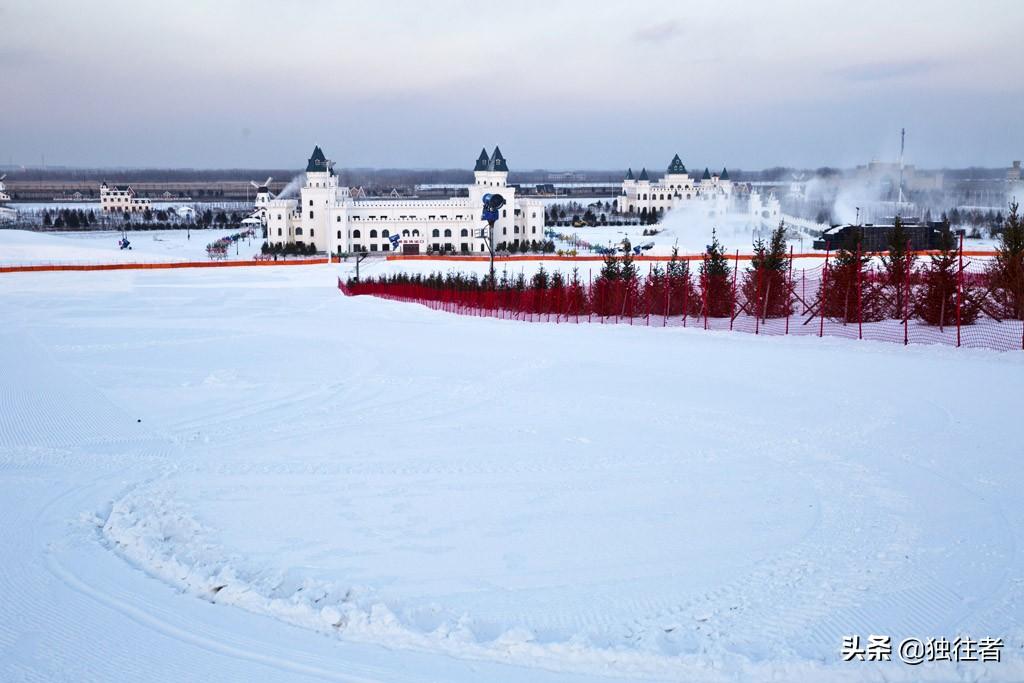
490,176
317,196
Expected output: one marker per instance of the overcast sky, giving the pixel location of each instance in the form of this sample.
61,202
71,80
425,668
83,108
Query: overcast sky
556,84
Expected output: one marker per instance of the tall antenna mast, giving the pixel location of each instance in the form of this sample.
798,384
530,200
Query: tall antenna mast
903,140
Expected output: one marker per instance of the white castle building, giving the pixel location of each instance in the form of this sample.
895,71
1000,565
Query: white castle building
6,214
329,217
676,188
713,194
121,199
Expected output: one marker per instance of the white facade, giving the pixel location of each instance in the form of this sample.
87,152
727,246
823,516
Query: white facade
328,216
121,199
712,192
6,214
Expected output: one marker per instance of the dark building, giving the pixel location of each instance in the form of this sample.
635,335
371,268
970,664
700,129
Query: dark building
922,235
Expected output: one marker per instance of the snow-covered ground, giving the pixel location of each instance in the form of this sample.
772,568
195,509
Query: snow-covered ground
240,474
23,247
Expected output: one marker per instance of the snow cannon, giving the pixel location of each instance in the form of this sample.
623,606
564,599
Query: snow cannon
492,203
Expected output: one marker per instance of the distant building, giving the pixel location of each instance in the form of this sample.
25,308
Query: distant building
712,194
328,216
884,177
6,214
1013,175
922,235
566,177
121,199
676,188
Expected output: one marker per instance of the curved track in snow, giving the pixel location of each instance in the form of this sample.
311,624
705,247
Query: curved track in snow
324,488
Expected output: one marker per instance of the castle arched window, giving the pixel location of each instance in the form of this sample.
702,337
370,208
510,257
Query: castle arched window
355,234
464,233
385,233
435,233
447,232
310,214
373,234
339,234
311,232
405,233
298,231
415,233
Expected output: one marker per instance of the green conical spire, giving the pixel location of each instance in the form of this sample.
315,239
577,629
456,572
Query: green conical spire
677,165
317,162
481,161
629,174
497,161
643,174
725,174
707,174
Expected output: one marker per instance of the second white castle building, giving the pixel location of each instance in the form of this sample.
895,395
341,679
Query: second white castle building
327,216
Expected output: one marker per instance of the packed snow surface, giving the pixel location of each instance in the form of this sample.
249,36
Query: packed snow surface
241,474
23,247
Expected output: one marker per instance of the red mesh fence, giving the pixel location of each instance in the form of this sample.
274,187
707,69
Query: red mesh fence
944,299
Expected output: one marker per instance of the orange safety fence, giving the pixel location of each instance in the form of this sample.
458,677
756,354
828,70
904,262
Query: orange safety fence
155,265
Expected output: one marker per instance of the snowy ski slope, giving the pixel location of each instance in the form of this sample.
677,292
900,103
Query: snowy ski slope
244,475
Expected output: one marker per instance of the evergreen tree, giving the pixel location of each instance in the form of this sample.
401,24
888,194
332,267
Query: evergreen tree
540,278
839,294
765,285
627,269
1006,273
716,288
896,264
936,300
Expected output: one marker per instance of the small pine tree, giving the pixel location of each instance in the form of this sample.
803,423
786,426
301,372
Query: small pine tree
540,278
627,268
765,286
936,302
716,288
1006,273
895,265
839,295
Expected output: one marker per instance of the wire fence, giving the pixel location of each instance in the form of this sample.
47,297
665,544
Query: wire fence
935,299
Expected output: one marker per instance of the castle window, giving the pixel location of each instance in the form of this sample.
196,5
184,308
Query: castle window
464,233
355,234
279,232
385,233
310,214
516,230
373,234
311,202
385,247
447,233
339,234
373,247
298,231
405,233
311,232
435,233
415,233
338,219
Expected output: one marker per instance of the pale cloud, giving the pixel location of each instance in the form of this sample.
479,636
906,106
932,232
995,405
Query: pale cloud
658,33
556,82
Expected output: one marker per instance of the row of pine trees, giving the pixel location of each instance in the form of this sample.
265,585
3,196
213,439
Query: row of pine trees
851,290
